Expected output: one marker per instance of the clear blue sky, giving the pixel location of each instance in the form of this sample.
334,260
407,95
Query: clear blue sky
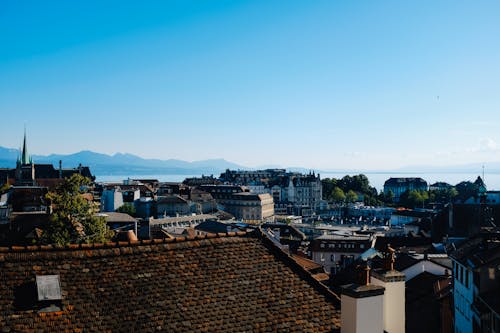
318,84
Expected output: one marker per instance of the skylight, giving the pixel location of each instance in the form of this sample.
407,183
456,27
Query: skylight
48,287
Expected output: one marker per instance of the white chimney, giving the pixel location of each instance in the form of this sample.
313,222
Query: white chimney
362,307
394,298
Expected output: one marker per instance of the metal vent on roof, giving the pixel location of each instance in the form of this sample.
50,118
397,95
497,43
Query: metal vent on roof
48,287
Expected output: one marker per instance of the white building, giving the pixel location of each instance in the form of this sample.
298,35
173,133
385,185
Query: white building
437,264
304,191
111,199
335,251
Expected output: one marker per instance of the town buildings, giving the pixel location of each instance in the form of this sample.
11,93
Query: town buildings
398,186
241,203
293,193
25,207
191,211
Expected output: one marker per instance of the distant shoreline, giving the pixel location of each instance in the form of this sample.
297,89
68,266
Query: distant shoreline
376,179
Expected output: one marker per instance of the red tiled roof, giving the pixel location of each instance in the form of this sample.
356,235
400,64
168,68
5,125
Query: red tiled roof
322,277
236,283
308,264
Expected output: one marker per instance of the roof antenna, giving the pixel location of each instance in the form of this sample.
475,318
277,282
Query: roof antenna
483,172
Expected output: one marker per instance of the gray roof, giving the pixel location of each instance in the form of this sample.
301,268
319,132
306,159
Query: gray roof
114,217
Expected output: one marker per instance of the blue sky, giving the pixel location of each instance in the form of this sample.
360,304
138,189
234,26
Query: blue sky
318,84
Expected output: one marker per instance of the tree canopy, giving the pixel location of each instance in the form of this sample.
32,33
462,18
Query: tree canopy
414,198
351,196
73,217
4,188
337,195
127,208
348,188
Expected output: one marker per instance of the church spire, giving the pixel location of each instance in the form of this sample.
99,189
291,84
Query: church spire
25,158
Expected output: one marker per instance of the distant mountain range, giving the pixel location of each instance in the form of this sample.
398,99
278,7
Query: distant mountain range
123,164
490,167
127,164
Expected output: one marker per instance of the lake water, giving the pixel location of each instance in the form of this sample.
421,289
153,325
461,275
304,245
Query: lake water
376,179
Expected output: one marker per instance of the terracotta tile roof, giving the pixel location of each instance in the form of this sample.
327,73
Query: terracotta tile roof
308,264
322,277
233,282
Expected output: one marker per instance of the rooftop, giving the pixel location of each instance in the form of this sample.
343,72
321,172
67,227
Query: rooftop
479,250
113,217
232,282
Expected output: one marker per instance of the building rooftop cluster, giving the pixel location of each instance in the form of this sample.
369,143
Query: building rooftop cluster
248,251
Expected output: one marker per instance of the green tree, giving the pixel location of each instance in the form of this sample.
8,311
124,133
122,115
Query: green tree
338,195
414,198
328,185
467,189
386,198
444,195
452,193
357,183
351,196
4,188
73,218
371,200
127,208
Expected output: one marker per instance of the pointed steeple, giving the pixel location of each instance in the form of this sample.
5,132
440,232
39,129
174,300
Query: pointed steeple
25,158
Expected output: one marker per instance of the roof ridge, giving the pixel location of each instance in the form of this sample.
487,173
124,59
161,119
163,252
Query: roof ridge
299,269
119,244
